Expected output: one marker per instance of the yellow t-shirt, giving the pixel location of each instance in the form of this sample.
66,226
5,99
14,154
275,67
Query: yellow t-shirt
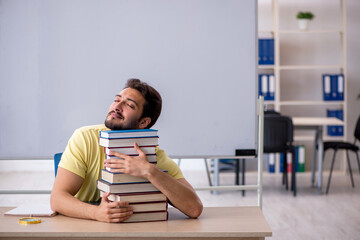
85,157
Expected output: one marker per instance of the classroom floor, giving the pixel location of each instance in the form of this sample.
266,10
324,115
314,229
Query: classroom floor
308,216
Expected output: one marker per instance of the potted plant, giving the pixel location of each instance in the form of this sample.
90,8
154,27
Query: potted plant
304,19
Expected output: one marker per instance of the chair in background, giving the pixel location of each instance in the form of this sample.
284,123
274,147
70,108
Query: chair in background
57,158
341,145
278,138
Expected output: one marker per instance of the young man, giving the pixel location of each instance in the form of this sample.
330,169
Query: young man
137,106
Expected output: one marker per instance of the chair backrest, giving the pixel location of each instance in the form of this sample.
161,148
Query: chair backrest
278,133
57,158
271,112
357,130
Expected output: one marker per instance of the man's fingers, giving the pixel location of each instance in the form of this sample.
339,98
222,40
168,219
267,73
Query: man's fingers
114,163
118,204
138,149
105,197
120,155
120,219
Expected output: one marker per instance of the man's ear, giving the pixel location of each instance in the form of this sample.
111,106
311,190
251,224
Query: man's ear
144,122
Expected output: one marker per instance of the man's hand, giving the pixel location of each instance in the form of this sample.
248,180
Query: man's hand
113,212
133,165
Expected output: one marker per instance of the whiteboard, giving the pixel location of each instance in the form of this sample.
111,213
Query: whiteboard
62,63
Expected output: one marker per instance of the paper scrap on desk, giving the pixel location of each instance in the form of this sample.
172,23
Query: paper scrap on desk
33,210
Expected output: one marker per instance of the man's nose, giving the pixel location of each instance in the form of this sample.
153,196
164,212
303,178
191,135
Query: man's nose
119,105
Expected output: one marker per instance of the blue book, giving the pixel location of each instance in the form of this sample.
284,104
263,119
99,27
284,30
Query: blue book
130,133
326,87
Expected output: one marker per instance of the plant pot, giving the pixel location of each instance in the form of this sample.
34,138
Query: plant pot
303,24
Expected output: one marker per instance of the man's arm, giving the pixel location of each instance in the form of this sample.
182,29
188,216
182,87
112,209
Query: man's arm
179,192
67,184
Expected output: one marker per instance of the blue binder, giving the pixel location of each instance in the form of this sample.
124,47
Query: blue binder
263,86
271,157
271,87
340,129
326,87
334,88
340,87
261,51
271,56
332,130
266,51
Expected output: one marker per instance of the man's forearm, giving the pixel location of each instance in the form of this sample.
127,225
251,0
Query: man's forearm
181,195
68,205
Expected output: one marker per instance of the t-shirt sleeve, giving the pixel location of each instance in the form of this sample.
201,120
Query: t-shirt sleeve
73,158
166,163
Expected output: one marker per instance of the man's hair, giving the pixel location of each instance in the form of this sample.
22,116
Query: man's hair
153,101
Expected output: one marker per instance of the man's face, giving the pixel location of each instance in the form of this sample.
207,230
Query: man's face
126,110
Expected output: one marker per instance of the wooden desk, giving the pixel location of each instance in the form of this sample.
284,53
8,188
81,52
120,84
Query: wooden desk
214,223
317,124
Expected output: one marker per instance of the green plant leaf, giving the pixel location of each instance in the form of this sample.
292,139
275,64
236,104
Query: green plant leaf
305,15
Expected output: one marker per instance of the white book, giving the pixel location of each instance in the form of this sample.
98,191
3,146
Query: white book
151,158
131,150
129,142
32,210
125,187
136,197
129,133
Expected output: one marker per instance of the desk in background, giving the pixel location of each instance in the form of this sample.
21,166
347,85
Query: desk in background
214,223
317,124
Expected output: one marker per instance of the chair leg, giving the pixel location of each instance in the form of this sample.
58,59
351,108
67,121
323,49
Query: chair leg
207,172
237,169
350,171
293,173
243,175
331,169
358,160
285,170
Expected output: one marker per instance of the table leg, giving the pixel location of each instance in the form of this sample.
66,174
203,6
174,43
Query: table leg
320,158
313,163
216,174
243,174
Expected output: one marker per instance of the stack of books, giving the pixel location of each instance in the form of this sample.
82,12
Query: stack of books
148,203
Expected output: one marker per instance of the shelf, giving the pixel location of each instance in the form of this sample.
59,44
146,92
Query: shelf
266,66
309,31
306,103
312,138
301,67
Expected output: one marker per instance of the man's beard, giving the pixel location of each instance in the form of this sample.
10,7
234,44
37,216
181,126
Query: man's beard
121,126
